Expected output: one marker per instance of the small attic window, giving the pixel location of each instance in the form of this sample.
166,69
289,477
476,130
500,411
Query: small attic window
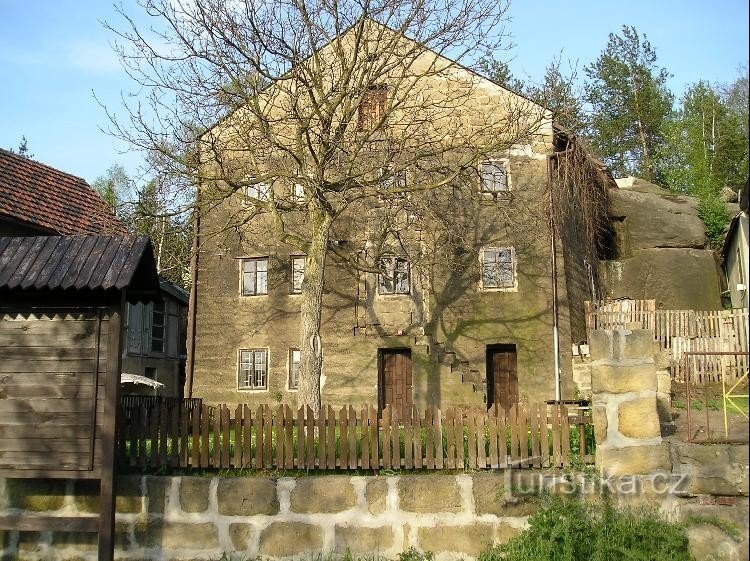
372,107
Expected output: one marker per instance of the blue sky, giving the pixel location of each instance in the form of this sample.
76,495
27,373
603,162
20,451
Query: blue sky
55,55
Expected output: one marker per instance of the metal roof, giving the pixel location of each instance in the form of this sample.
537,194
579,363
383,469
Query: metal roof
77,263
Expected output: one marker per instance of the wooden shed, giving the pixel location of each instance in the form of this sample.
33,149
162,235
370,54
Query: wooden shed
62,300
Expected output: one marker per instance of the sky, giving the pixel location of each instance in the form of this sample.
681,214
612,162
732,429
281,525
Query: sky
57,67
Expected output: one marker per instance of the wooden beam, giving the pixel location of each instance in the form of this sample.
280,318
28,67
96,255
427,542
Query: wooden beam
109,425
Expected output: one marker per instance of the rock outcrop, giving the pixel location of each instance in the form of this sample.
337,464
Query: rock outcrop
659,249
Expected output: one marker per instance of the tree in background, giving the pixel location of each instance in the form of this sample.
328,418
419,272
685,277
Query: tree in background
145,212
23,148
630,105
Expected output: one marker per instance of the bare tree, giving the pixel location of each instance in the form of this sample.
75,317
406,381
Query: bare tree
308,110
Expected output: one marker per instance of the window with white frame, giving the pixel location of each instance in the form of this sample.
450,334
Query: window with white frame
393,181
252,373
498,267
254,276
493,176
260,191
395,276
295,358
157,327
298,273
298,193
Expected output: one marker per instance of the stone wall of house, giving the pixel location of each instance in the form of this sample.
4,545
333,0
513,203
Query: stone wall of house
446,321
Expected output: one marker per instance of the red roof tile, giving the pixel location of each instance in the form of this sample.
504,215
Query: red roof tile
51,199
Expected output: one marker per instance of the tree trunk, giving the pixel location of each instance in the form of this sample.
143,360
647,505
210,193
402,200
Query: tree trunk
311,359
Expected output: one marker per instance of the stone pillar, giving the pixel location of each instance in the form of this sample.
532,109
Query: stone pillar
624,394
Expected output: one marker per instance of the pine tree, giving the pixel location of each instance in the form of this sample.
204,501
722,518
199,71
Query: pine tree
630,105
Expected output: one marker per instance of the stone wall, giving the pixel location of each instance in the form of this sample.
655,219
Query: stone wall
203,518
705,486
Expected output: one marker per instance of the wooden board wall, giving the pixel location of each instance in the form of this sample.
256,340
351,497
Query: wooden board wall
52,369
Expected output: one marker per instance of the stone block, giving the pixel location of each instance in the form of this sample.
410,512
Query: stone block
601,345
129,495
363,541
633,460
706,542
599,417
466,540
35,494
376,492
639,343
323,494
492,497
156,493
178,535
242,536
615,378
290,539
720,469
31,542
639,418
247,496
194,494
428,494
663,382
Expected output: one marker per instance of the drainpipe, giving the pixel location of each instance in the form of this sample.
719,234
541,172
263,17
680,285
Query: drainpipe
553,246
192,305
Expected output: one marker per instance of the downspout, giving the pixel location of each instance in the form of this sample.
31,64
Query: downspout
553,245
192,305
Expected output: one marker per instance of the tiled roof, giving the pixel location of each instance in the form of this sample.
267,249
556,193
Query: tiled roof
77,263
55,201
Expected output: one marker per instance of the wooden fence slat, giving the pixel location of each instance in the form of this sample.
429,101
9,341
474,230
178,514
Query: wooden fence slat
385,432
502,437
321,427
472,440
417,451
364,438
331,436
409,441
204,428
300,457
225,437
481,440
374,434
492,434
309,437
288,438
175,436
534,427
450,460
556,436
523,441
352,438
247,436
438,439
429,438
514,437
259,438
278,432
395,439
564,436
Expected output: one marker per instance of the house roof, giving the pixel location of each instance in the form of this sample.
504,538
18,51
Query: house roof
52,200
78,263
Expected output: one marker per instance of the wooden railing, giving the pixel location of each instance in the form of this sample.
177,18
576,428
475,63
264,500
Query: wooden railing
681,331
346,438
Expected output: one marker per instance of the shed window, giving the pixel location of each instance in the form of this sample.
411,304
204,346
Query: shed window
259,191
157,327
498,268
253,369
298,193
254,276
493,176
395,276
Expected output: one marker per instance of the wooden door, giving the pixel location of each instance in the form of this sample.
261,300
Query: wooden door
502,376
395,381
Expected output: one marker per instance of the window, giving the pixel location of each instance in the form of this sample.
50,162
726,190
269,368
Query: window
395,276
253,370
493,176
254,276
372,107
498,268
295,357
259,191
393,181
157,327
298,273
298,193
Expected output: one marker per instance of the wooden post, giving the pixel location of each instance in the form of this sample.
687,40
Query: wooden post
106,546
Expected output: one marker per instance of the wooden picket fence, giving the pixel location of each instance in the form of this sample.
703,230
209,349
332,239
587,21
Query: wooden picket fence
346,438
681,331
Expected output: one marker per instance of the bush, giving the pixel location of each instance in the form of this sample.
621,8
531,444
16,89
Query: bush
713,211
571,530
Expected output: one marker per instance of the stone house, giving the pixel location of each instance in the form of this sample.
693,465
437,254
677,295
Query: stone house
462,312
